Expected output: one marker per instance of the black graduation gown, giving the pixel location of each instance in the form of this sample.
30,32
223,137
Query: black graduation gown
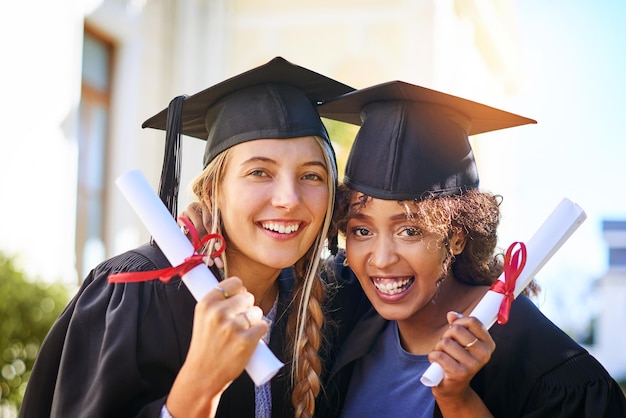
535,371
116,349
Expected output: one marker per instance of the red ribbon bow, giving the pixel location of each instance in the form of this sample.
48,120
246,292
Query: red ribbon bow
513,265
166,274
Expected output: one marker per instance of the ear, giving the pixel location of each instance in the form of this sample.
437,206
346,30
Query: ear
457,242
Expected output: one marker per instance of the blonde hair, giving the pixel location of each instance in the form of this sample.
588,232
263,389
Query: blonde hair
305,322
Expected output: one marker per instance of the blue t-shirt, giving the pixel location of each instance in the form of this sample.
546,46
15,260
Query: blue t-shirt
386,382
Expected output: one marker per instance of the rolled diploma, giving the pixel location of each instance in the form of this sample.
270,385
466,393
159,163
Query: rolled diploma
263,364
555,230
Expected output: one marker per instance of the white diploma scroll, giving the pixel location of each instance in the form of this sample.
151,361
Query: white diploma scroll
263,364
555,230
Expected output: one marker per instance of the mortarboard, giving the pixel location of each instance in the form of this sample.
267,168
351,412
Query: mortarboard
276,100
413,141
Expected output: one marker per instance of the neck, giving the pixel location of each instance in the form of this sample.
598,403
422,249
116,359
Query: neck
258,279
265,301
264,287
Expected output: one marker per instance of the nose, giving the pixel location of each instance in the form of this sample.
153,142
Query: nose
287,194
383,253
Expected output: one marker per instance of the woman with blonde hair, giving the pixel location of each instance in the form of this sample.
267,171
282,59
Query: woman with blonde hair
147,348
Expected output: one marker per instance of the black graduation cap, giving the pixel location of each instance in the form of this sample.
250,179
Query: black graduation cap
413,141
275,100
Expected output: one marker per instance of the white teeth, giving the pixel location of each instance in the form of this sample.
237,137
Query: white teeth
391,288
281,228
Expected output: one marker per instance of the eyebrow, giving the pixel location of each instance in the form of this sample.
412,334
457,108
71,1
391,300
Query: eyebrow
316,164
313,163
362,216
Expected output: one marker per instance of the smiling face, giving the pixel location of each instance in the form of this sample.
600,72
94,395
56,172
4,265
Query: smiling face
397,263
273,200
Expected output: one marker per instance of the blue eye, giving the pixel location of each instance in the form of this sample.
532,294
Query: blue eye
313,177
258,173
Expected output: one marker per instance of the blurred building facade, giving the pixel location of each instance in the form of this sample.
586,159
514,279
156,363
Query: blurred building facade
609,342
88,73
84,76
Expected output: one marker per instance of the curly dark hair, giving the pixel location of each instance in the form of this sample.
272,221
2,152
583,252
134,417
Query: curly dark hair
474,213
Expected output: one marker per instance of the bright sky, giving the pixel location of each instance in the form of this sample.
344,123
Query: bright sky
574,59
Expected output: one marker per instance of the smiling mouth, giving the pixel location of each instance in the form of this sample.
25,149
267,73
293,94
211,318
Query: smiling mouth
392,286
281,228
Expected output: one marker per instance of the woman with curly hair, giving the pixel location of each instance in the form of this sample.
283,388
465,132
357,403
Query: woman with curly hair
422,240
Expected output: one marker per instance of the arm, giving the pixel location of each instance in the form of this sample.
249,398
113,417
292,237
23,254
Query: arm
462,351
90,362
123,349
580,387
222,343
552,374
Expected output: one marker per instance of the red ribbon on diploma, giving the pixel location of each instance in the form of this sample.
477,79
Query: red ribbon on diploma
166,274
513,265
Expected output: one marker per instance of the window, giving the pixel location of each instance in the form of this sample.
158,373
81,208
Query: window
617,257
92,151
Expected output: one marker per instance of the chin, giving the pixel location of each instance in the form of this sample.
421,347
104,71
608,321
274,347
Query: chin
390,313
280,263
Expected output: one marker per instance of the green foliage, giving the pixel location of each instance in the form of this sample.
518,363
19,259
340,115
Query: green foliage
342,135
27,311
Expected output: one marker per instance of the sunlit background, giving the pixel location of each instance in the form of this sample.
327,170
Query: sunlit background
79,77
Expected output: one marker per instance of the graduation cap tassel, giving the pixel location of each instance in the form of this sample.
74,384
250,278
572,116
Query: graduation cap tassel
170,174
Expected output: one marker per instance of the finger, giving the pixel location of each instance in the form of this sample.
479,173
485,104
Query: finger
218,262
252,315
184,213
247,322
223,291
478,330
455,365
256,331
250,324
229,297
454,349
456,361
216,245
470,344
475,330
463,337
458,332
207,219
229,287
453,316
460,350
183,227
195,213
469,322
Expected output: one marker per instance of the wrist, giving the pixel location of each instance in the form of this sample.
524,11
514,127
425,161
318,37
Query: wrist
193,396
465,404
